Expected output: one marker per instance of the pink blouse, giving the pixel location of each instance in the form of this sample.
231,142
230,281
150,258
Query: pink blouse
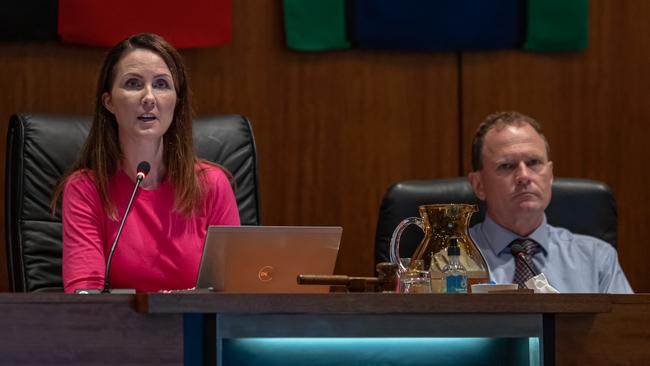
159,249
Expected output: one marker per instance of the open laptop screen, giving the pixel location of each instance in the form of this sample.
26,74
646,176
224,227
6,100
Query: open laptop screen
267,258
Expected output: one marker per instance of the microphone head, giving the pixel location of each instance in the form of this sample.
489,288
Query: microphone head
516,249
143,169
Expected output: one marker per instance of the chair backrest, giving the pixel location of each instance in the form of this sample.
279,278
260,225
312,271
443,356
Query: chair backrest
580,205
42,147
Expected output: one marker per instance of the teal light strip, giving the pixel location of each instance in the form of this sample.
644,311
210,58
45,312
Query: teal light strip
368,340
381,351
533,351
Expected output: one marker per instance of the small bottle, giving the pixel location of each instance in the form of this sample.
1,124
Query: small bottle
454,274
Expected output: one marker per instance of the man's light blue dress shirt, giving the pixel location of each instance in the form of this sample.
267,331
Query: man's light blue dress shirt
571,262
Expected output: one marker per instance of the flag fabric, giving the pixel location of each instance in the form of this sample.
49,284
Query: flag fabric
557,25
315,25
437,25
28,20
186,24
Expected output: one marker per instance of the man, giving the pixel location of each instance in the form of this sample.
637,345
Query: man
513,175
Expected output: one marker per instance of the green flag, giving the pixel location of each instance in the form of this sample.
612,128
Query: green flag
315,25
557,25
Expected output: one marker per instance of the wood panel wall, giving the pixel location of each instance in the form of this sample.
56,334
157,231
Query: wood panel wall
335,129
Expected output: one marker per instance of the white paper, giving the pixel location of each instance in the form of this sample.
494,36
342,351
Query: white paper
540,285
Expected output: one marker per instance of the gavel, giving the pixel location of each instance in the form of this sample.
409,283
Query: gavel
386,281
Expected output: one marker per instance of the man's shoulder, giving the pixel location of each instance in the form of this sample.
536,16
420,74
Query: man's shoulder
579,241
475,230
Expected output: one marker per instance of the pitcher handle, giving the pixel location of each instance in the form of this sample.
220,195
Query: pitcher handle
397,235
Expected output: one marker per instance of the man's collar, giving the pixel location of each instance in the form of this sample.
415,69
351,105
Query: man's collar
499,237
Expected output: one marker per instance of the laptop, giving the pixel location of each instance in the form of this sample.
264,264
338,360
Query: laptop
267,258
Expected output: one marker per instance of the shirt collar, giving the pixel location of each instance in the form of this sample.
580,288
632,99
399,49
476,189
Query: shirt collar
499,237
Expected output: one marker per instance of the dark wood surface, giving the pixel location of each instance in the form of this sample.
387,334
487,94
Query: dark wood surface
376,303
73,329
60,329
589,329
619,337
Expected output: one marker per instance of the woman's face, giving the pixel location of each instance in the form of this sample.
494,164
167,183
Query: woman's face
142,96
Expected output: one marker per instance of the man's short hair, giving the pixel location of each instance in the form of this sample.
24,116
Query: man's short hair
509,118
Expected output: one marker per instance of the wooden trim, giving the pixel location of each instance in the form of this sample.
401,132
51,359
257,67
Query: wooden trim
373,303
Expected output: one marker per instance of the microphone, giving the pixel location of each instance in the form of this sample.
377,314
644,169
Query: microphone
541,284
518,252
142,171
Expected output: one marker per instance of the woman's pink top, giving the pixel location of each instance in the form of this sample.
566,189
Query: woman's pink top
159,249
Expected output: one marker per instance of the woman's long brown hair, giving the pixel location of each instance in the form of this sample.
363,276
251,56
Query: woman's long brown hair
101,153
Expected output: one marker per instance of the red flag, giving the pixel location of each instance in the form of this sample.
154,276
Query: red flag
186,24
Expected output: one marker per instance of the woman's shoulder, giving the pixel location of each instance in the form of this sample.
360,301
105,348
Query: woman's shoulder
80,185
212,172
81,178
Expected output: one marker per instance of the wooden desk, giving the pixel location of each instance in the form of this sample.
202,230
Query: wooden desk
62,329
147,328
620,336
587,329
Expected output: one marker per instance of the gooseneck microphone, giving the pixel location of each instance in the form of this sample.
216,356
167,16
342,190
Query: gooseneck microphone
142,171
518,252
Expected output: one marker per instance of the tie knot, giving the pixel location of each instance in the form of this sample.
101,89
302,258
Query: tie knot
529,246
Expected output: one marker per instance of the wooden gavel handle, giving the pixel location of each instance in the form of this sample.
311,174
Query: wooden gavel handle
333,280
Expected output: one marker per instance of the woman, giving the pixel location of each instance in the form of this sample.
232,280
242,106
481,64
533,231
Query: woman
142,113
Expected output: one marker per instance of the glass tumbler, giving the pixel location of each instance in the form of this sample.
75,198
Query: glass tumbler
415,282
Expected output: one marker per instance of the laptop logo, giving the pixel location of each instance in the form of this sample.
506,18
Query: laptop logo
265,274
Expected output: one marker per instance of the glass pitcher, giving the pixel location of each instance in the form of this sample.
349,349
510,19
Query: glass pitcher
439,223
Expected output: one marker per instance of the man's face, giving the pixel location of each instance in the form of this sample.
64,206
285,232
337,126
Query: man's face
516,177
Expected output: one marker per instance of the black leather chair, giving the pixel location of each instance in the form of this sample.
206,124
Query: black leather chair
580,205
41,148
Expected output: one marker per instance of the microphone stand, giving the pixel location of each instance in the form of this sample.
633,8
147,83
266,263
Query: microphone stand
107,289
522,257
518,252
